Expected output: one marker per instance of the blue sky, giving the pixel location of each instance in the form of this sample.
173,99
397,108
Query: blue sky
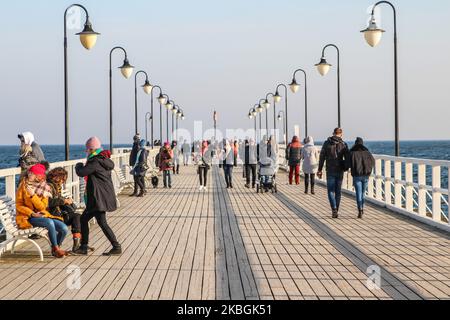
225,55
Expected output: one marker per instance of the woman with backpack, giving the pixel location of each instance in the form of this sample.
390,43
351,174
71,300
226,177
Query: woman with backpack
361,163
310,156
140,168
293,155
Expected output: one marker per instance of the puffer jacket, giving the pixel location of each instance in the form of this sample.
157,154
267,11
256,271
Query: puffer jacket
293,153
361,161
335,153
26,206
165,160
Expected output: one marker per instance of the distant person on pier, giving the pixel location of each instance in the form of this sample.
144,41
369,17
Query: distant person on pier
250,162
361,163
310,157
140,168
166,164
203,160
32,199
134,151
335,154
176,157
60,206
293,156
228,158
99,194
186,151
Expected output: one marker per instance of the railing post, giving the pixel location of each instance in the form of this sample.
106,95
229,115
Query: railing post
409,187
387,183
436,184
398,184
378,180
422,198
10,186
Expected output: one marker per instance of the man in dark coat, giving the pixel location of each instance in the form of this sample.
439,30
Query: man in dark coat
100,195
335,153
134,151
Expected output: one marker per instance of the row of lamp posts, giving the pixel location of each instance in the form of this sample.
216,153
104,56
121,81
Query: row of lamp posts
372,35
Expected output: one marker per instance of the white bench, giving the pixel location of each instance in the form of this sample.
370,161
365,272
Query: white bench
8,220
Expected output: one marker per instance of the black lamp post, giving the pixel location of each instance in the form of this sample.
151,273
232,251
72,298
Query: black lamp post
373,35
127,71
266,105
88,38
169,105
259,109
282,116
324,67
252,115
174,112
277,98
160,113
178,115
295,87
147,89
162,101
148,118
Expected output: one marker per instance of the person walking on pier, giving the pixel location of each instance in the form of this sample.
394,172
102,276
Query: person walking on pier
60,206
176,157
250,162
204,161
293,155
361,163
134,151
335,153
186,151
310,158
99,195
140,168
31,208
228,157
166,164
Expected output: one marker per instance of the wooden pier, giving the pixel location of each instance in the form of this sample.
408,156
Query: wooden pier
182,243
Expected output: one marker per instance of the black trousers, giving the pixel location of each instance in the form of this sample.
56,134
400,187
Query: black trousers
250,169
203,175
139,183
73,219
100,216
310,179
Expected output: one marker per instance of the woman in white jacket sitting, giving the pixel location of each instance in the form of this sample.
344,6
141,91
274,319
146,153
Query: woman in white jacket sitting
310,157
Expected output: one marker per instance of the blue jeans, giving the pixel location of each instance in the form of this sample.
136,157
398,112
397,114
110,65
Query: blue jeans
360,184
167,178
228,171
334,185
57,230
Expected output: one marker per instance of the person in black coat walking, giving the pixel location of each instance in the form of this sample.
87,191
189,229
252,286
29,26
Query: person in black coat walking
361,163
140,168
134,151
100,196
335,153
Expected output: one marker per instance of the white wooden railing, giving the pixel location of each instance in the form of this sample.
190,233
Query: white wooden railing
405,185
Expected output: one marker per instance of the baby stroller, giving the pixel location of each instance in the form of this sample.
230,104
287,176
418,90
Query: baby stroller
267,176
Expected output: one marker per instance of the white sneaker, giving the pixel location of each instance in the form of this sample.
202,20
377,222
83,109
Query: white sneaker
201,188
205,189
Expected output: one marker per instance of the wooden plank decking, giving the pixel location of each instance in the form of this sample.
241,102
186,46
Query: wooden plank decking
186,244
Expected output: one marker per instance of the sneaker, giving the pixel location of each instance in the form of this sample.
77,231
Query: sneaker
81,251
113,252
335,214
247,186
201,188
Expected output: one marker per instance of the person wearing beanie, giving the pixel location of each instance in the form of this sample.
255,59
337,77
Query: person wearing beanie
60,206
293,155
100,196
310,158
361,163
165,164
32,199
134,151
140,168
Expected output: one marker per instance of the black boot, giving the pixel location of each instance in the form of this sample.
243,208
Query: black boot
141,194
76,244
335,214
360,214
306,187
312,189
115,251
81,251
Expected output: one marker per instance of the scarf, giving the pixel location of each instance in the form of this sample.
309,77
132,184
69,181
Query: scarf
95,153
41,189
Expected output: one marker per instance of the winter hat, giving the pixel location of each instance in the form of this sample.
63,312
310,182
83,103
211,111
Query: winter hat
93,143
38,170
142,143
359,141
166,144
